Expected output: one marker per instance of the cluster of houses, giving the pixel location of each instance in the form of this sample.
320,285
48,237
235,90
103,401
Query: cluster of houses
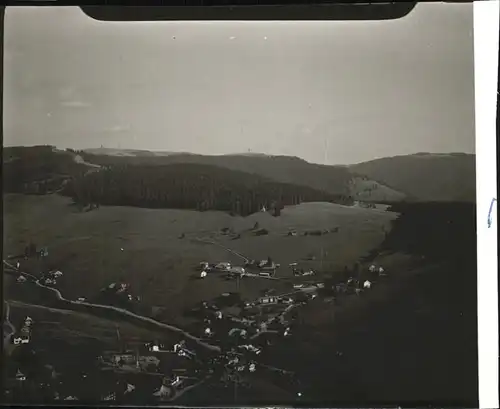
252,268
300,272
51,277
24,335
242,333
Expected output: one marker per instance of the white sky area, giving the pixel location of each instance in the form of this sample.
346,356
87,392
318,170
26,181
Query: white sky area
329,92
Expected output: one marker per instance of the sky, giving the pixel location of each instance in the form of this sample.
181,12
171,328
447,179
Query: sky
328,92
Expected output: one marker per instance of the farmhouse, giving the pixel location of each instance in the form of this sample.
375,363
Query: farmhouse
268,300
23,339
237,270
237,331
225,266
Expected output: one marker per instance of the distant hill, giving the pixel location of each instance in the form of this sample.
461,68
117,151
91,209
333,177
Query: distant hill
419,177
283,169
425,176
130,152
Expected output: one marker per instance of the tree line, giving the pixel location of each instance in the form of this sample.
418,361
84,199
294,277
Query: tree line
190,186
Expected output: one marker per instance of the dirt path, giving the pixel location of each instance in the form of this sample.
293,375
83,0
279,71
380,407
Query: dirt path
223,247
205,241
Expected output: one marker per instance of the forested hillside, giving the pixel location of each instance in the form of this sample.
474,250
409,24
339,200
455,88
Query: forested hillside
190,186
283,169
37,169
437,230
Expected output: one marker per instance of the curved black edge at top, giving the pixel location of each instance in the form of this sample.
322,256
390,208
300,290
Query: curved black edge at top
299,12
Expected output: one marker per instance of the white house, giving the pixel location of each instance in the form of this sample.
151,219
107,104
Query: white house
203,274
268,300
179,346
372,268
367,284
20,376
223,266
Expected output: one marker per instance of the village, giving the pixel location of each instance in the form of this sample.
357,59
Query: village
239,330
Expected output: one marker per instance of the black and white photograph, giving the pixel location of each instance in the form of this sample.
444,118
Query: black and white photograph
239,213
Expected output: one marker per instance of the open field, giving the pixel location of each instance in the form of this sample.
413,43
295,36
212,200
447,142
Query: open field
70,342
396,343
159,265
75,329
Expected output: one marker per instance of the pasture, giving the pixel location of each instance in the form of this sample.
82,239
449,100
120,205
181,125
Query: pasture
160,266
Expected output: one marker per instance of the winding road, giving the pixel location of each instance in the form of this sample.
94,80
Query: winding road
122,311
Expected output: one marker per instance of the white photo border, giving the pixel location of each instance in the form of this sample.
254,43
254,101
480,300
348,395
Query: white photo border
486,29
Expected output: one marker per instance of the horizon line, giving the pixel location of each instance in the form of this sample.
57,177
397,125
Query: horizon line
248,154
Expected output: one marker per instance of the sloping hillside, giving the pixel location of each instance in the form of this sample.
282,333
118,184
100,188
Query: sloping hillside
367,190
424,176
37,169
283,169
